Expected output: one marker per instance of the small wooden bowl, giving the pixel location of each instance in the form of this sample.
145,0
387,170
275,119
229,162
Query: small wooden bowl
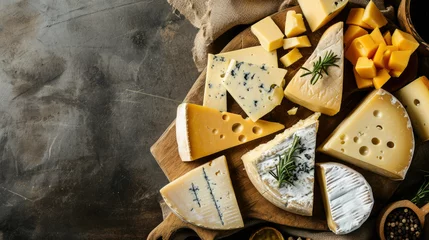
420,212
278,234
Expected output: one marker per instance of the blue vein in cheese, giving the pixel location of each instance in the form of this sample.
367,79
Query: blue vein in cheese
194,191
209,187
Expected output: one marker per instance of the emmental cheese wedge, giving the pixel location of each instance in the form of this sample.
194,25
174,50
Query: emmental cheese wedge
205,197
297,196
376,136
319,12
324,96
347,197
202,131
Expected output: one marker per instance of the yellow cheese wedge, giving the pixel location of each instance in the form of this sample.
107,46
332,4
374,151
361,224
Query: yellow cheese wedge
352,33
365,68
404,41
387,38
376,136
362,46
362,82
294,25
268,33
377,37
202,131
399,60
381,78
373,17
296,42
415,97
291,57
319,12
378,59
355,18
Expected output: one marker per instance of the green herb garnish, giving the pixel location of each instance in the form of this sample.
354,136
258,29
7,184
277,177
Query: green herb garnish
321,66
422,195
286,166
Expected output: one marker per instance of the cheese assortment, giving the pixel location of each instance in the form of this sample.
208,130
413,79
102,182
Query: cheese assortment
297,195
205,197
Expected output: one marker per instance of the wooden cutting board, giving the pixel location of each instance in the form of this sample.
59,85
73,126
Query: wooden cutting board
252,204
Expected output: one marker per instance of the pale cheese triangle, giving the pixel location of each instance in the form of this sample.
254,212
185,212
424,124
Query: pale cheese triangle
202,131
325,96
205,197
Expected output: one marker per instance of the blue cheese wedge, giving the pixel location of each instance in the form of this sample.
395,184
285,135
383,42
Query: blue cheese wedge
214,92
205,197
298,196
257,89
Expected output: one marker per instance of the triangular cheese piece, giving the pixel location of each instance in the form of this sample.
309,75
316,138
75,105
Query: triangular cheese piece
297,197
205,197
326,94
347,197
202,131
377,136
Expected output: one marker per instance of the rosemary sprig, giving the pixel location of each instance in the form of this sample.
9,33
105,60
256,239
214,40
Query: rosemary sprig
286,166
422,195
321,66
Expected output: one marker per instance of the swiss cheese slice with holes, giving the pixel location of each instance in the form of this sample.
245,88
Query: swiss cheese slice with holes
205,197
377,136
202,131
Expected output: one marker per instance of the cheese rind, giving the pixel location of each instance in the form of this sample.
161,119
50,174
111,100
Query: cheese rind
296,42
297,197
205,197
347,197
268,33
319,12
377,136
202,131
324,96
294,24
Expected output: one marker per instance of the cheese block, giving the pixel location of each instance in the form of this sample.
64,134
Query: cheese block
257,89
362,82
377,37
387,38
355,18
291,57
399,60
415,97
214,92
294,24
298,196
296,42
347,197
319,12
366,68
376,136
324,96
205,197
352,33
404,41
202,131
373,17
268,33
292,111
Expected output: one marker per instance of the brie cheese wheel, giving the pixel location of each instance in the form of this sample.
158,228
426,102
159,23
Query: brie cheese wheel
347,197
326,94
298,196
205,197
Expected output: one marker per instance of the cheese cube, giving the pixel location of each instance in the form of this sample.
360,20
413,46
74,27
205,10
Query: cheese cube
387,54
291,57
355,18
395,73
268,34
399,60
377,37
292,111
352,33
362,82
362,46
319,12
365,67
415,97
404,41
381,78
296,42
379,56
387,38
294,25
373,17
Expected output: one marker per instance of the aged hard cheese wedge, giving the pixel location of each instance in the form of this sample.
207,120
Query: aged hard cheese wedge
319,12
298,196
205,197
202,131
257,89
324,96
376,136
347,197
214,92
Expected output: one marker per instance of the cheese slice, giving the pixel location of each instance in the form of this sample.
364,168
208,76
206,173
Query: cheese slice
257,89
205,197
324,96
347,197
298,196
319,12
202,131
214,92
376,136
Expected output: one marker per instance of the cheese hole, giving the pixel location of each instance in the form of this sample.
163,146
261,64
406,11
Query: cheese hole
242,138
390,144
217,173
342,149
342,142
215,131
377,113
225,117
237,127
256,130
375,141
222,136
379,157
222,75
416,102
364,150
343,137
379,127
359,45
356,139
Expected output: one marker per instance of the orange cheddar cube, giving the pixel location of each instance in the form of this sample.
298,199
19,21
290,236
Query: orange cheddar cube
378,59
377,37
398,60
355,18
404,41
362,46
394,73
373,17
365,68
387,38
381,78
362,82
387,54
352,33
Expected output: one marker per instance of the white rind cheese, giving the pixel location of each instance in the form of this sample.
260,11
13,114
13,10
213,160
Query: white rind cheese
297,197
347,197
205,197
